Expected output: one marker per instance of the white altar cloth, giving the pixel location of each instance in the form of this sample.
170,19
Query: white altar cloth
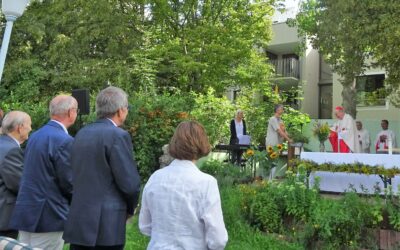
340,182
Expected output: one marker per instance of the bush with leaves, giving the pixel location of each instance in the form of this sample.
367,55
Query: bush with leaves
339,223
299,199
227,174
215,114
152,122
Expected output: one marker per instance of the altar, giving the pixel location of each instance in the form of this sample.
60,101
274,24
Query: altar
340,182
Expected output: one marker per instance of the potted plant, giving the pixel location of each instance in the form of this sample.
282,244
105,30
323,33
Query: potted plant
321,131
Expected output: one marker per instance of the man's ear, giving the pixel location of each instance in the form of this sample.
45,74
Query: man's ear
119,112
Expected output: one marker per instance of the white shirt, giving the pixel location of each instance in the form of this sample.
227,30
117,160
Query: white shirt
62,125
112,122
181,209
364,139
239,128
388,133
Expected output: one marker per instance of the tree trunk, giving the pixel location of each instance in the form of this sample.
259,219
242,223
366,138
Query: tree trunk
349,95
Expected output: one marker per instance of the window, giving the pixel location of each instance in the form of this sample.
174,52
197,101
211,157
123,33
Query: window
371,90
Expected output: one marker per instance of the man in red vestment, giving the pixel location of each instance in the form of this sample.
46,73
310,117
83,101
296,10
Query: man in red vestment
343,136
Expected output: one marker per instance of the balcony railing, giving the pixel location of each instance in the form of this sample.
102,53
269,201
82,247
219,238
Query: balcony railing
286,67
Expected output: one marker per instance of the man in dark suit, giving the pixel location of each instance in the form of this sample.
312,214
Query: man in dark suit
16,128
106,182
46,186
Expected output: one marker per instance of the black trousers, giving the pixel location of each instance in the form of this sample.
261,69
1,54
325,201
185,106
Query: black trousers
10,234
79,247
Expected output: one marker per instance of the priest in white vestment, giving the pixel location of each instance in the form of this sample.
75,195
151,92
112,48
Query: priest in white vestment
363,138
385,137
346,132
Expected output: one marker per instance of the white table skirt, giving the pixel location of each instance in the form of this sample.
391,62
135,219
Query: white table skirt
340,182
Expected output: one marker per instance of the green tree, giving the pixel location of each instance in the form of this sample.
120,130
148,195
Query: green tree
380,28
350,34
209,43
60,45
332,28
190,45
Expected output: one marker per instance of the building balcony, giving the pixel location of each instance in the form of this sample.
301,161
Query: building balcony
286,68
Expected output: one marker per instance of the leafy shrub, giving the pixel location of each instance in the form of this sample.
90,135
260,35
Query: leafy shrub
241,234
151,123
212,167
265,212
227,174
339,223
214,113
299,199
393,208
39,112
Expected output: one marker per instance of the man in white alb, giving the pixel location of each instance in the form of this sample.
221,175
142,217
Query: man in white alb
384,137
346,132
363,138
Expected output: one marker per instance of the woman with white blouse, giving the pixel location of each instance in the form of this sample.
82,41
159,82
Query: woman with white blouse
181,206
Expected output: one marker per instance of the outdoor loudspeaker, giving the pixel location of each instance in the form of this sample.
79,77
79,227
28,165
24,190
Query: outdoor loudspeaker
82,96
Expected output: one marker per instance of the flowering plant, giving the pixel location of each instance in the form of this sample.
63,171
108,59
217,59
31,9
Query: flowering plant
321,131
264,159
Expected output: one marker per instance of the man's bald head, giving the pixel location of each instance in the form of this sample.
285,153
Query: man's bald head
64,109
13,119
18,125
60,105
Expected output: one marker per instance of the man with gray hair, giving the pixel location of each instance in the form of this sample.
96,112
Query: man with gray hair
46,186
16,128
103,153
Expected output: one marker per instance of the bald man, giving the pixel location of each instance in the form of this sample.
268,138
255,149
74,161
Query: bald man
46,186
16,128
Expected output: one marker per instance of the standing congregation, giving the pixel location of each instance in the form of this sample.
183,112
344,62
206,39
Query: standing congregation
83,190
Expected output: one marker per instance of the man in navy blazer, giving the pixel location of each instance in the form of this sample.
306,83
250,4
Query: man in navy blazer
46,186
16,128
106,182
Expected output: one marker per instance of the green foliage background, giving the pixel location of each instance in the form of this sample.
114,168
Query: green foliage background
176,59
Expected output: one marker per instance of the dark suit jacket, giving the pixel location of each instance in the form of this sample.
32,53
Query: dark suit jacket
11,166
106,185
234,139
42,203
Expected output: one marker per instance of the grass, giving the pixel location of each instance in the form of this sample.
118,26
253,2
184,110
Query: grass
134,239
